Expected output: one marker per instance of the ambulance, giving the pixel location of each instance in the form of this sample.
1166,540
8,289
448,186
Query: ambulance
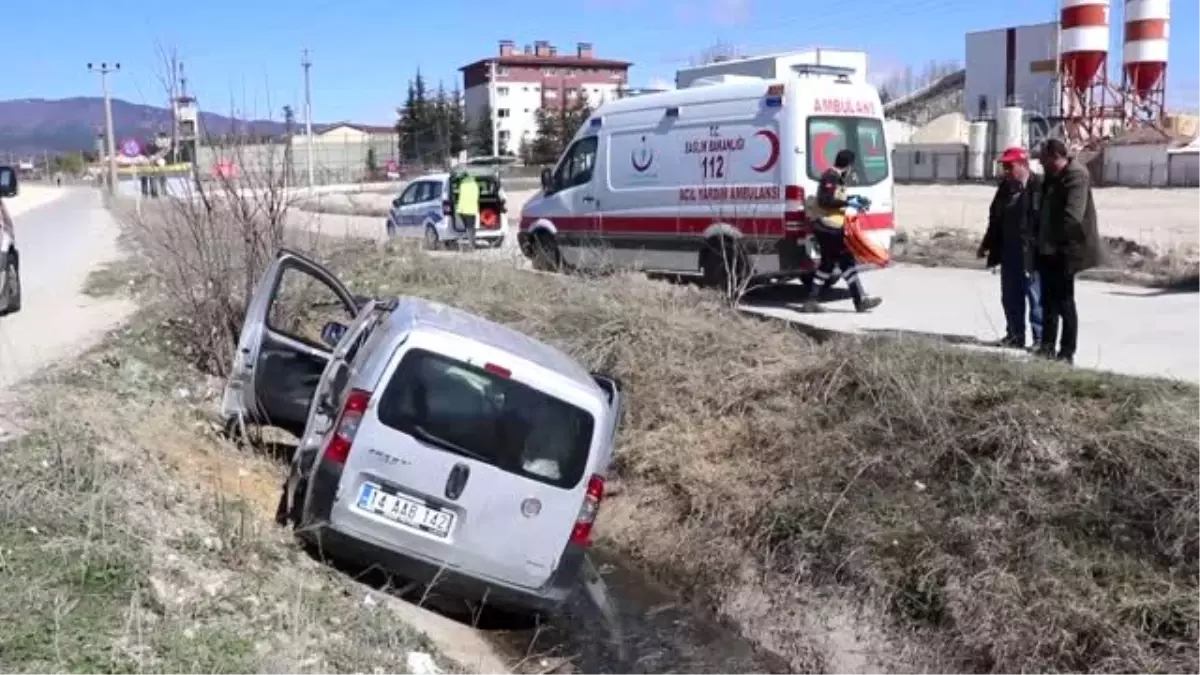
696,180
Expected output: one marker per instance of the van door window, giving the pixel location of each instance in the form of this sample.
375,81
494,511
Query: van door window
409,195
828,135
468,411
577,164
302,304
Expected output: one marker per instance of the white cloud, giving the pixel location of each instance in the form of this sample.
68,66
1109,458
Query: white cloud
729,12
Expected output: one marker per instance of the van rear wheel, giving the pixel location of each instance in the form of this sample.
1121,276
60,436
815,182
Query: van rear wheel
725,266
546,256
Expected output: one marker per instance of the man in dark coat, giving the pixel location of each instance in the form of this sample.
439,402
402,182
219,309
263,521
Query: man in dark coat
1011,243
1068,243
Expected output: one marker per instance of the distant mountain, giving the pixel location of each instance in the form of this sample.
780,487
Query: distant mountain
34,125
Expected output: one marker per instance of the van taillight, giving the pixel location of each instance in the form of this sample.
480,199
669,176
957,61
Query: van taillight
581,534
793,208
348,422
447,208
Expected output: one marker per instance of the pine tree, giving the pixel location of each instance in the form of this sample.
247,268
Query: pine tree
457,123
440,121
525,151
546,143
406,127
574,114
372,163
481,133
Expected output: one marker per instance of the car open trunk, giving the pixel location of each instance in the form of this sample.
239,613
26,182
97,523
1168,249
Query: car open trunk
491,205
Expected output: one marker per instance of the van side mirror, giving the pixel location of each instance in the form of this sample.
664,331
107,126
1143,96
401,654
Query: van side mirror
547,179
396,202
8,182
332,333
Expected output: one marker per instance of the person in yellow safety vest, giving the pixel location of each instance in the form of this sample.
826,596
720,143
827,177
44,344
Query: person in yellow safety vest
827,213
466,206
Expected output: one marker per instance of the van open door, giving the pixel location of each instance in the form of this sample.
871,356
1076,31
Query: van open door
612,389
281,354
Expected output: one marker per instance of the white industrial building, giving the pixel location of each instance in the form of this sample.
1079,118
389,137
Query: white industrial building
1011,66
774,66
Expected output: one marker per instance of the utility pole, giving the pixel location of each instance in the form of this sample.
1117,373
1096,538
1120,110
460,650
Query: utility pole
306,63
289,125
110,142
492,108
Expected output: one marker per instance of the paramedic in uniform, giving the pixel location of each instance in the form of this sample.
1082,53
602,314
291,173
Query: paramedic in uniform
828,219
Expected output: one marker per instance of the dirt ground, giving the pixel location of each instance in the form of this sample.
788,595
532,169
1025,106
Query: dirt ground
31,197
1167,221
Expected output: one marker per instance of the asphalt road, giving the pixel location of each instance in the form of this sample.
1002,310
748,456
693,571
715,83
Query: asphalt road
61,242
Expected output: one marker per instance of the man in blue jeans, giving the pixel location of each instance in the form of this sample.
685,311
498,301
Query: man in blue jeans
1010,242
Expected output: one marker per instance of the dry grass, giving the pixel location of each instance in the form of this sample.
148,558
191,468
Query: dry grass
133,539
1009,517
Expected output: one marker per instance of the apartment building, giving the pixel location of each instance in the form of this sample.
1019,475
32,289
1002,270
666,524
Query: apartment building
537,76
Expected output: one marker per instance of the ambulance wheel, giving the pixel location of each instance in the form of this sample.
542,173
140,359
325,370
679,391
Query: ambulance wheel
546,257
724,265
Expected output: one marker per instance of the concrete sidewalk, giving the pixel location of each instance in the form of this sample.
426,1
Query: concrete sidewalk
1124,329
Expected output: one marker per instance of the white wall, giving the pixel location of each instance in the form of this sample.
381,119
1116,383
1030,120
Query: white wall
521,101
1184,168
986,69
1136,165
778,65
922,162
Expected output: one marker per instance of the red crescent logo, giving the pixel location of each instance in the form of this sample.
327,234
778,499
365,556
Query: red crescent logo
820,149
772,158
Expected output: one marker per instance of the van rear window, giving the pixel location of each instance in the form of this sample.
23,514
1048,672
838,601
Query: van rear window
466,410
863,135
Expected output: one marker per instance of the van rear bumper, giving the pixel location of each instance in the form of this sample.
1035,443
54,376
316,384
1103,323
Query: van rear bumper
442,580
339,543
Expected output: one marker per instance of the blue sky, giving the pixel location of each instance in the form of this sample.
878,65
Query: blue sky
248,51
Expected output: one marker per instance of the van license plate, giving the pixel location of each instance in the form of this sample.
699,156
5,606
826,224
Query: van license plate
407,512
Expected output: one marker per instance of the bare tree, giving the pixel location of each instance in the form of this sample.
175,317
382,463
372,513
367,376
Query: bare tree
717,52
212,235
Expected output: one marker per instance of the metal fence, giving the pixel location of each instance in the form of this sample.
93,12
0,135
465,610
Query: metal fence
335,163
955,166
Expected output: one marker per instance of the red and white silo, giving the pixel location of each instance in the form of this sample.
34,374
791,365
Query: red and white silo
1083,42
1147,28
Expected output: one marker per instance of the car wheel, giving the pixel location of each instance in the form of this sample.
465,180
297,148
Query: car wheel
10,286
546,257
432,241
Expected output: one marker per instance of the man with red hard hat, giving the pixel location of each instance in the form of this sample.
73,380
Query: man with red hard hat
1011,242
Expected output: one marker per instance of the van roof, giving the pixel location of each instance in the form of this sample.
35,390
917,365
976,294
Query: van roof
436,316
725,90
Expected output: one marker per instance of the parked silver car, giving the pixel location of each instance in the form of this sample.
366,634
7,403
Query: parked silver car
10,257
435,444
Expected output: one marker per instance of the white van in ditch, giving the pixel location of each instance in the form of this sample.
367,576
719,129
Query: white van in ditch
446,449
698,179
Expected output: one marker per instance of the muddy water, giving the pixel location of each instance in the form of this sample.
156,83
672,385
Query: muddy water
660,634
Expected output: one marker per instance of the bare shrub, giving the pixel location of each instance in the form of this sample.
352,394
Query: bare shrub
1013,516
208,242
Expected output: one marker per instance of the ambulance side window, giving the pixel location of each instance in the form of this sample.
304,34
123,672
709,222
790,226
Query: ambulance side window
576,166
